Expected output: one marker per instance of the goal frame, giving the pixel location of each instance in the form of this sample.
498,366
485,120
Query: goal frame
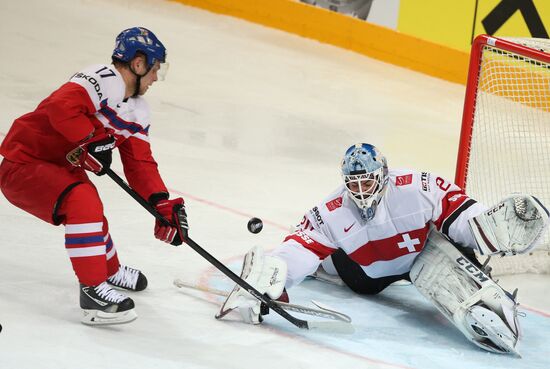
468,114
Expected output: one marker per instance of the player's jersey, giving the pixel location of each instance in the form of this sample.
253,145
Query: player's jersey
388,244
92,102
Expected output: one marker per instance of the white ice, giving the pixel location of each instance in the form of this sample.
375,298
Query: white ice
250,122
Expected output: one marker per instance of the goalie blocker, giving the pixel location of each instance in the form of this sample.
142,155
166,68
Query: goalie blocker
267,274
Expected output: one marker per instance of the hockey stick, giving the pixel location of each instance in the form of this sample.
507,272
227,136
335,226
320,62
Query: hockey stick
221,267
322,311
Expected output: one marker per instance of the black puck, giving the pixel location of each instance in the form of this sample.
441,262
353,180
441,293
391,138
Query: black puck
255,225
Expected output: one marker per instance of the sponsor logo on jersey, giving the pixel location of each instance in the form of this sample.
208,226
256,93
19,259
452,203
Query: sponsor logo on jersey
305,225
456,197
304,237
92,80
403,180
425,181
317,215
334,204
346,230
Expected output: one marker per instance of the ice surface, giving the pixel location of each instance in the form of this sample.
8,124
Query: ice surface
250,122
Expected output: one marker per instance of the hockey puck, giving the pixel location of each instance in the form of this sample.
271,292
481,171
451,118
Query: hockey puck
255,225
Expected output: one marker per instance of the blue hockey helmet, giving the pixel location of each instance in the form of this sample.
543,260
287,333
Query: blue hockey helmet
365,173
139,39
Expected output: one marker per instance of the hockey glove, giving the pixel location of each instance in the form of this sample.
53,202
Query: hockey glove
94,154
176,229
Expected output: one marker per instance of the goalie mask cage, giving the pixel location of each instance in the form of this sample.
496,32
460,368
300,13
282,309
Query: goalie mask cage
505,137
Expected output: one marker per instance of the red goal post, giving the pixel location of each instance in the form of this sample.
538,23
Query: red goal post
505,137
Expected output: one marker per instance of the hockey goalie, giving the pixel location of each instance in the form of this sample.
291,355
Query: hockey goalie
381,226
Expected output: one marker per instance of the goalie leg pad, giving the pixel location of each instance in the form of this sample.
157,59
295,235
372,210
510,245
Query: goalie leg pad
472,301
265,273
513,226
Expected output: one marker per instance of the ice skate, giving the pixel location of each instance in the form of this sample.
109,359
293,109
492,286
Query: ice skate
129,279
102,305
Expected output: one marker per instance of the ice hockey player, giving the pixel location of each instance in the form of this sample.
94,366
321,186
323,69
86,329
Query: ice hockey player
381,226
48,151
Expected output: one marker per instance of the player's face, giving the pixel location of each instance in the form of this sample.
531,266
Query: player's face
151,77
366,186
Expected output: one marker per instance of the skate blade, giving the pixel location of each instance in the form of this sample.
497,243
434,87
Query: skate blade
97,317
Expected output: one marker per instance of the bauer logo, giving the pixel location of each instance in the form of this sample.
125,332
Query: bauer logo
106,147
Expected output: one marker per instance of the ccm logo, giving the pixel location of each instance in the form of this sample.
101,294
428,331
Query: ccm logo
495,209
107,147
471,268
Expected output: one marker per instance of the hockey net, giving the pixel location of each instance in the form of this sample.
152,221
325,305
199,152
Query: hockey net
505,138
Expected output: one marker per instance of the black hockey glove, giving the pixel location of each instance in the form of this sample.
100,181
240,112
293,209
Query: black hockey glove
95,154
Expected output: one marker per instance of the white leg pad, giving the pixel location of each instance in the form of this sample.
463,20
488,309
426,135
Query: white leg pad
471,300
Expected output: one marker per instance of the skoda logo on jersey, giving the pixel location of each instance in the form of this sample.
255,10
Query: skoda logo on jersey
92,80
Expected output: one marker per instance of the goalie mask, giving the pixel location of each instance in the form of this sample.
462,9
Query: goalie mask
365,173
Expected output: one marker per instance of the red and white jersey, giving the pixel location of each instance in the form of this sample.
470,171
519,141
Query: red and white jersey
92,102
387,244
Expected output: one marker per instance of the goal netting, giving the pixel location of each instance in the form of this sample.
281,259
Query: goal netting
505,138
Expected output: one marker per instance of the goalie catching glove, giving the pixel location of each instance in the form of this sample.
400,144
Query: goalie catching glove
513,226
265,273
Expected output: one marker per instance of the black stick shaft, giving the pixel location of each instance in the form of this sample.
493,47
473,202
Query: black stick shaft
211,259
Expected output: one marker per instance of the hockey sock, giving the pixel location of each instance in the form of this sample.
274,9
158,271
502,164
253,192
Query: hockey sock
112,258
85,239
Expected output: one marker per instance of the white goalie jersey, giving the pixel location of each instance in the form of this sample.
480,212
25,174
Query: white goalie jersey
388,244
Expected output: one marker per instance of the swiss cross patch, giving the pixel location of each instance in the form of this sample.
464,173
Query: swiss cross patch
403,180
334,204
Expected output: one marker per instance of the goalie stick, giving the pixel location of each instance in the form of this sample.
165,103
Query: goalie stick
322,311
221,267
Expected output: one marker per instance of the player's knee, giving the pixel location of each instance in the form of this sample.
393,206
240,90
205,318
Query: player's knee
82,205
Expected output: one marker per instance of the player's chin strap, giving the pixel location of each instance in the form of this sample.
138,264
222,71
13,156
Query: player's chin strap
138,79
513,226
471,300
